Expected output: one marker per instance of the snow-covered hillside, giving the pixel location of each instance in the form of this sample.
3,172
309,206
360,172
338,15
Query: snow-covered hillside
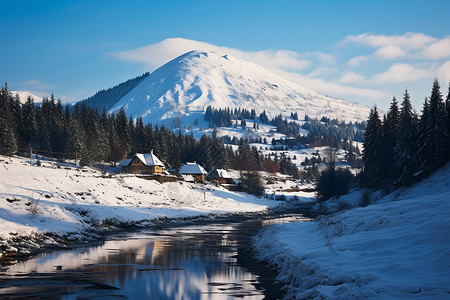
65,200
184,87
397,248
23,96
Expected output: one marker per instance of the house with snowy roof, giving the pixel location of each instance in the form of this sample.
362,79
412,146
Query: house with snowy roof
220,176
195,170
142,164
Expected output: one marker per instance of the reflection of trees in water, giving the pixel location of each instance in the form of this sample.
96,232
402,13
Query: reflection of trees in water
196,256
168,264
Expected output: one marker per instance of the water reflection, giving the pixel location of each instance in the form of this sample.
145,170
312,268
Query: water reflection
195,262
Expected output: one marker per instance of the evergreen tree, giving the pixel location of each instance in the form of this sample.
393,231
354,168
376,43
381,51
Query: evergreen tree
140,136
115,152
56,126
243,123
263,117
77,136
389,140
433,151
8,143
251,183
29,122
204,152
447,106
372,155
163,143
124,133
149,137
15,110
405,150
422,141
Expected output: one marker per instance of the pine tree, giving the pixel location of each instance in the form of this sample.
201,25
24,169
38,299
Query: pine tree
389,140
435,133
447,106
77,136
162,143
372,150
29,122
405,150
149,140
140,135
8,143
243,123
124,133
115,153
56,126
204,153
16,120
422,140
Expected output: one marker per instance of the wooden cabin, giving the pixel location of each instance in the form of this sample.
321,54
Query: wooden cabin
142,164
195,170
220,176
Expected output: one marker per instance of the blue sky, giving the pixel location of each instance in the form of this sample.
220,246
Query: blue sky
361,51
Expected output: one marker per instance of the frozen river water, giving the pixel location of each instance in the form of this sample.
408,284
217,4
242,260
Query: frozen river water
191,262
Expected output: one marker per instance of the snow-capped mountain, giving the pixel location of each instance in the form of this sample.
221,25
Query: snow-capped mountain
23,96
186,86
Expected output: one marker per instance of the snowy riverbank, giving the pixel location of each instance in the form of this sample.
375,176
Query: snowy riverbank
44,205
397,248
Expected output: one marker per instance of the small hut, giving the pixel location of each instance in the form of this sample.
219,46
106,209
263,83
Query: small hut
220,176
194,169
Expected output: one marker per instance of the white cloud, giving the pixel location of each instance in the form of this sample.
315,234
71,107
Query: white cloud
357,61
38,84
409,40
412,46
390,52
437,50
157,54
400,72
443,72
333,89
322,57
284,59
351,77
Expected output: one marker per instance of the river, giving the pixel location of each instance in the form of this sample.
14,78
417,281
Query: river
207,261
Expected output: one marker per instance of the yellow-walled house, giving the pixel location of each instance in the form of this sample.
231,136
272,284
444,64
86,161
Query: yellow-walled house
143,164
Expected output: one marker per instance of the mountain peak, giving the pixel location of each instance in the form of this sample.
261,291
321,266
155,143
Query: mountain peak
23,96
183,88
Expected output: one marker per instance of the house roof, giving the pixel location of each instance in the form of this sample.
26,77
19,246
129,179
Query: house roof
219,173
124,162
149,159
192,168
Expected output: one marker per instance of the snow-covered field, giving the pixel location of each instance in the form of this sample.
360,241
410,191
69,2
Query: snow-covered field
397,248
72,202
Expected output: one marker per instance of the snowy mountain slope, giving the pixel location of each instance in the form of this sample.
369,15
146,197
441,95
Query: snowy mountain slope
187,85
107,98
23,96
